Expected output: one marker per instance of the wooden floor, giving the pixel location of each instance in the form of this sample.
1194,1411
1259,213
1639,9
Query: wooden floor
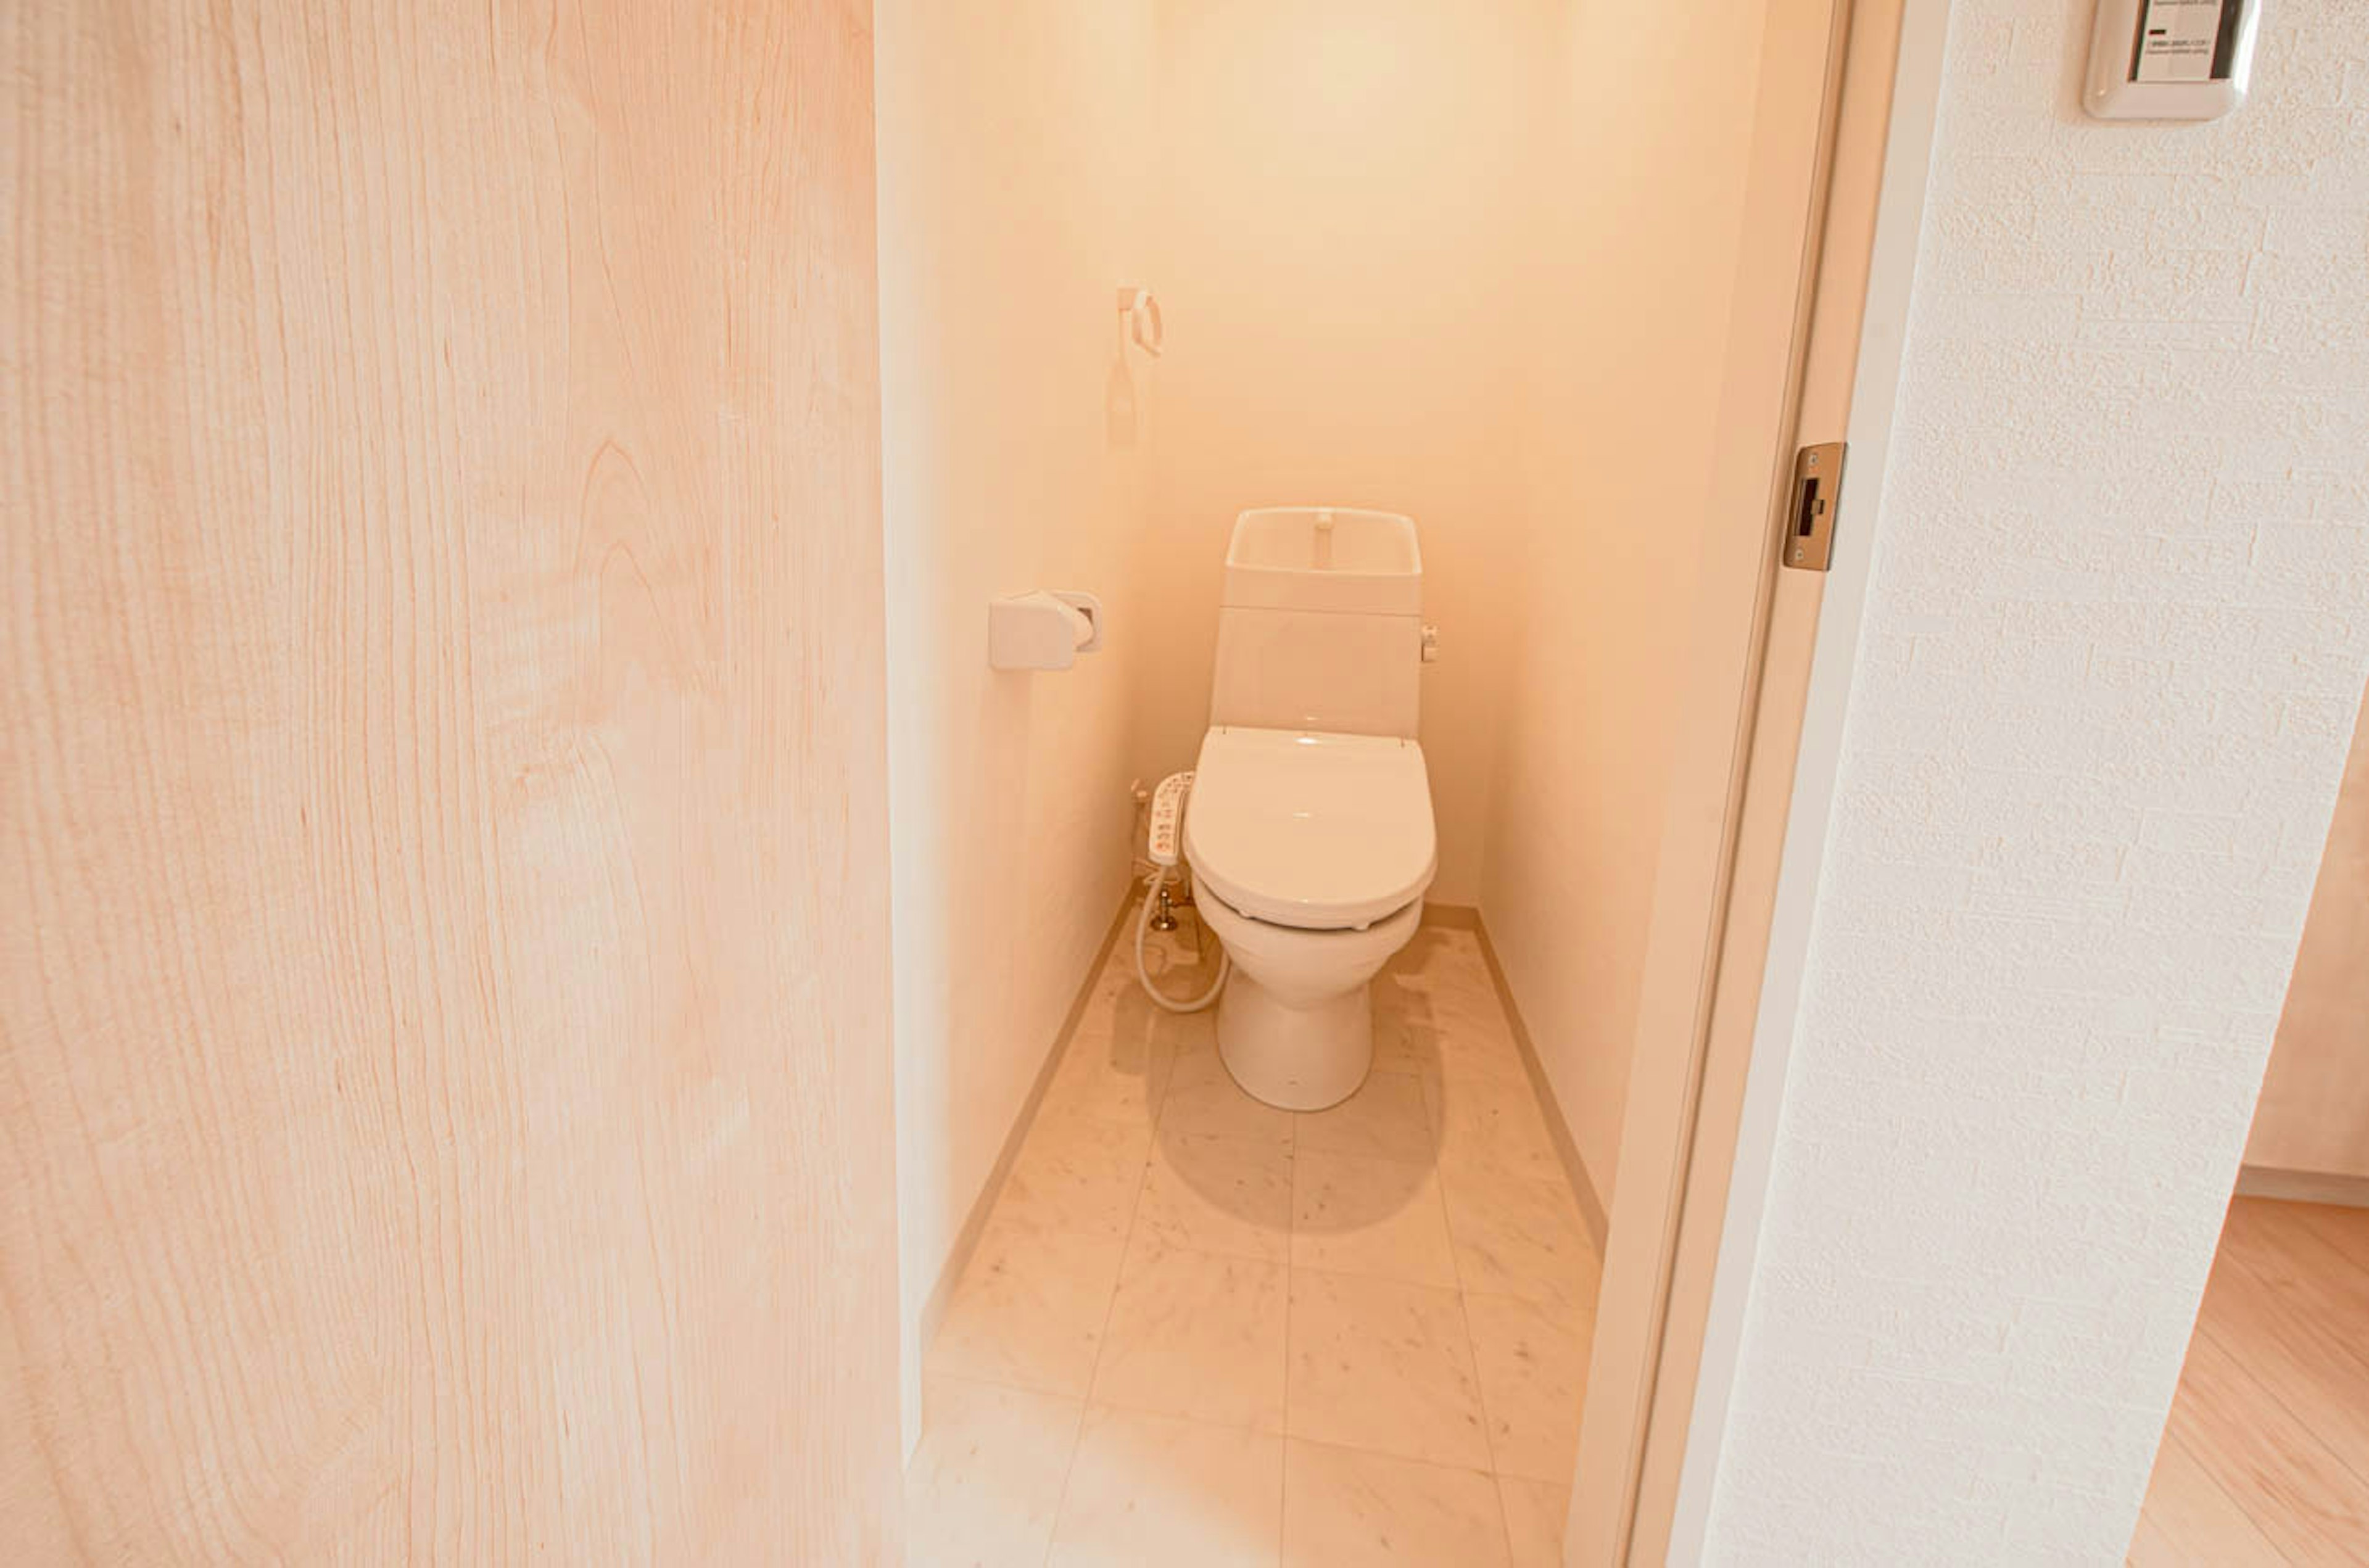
2267,1457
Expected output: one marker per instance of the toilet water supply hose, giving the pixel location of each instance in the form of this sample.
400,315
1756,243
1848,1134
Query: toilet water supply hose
1142,971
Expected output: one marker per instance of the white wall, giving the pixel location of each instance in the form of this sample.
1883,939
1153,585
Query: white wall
1636,194
1341,190
2113,641
1012,142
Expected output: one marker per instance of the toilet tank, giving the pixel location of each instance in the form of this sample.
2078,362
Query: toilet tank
1320,623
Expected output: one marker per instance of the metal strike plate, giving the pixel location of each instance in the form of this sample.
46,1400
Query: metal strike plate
1810,520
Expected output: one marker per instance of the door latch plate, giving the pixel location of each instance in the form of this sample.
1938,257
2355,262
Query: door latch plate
1810,518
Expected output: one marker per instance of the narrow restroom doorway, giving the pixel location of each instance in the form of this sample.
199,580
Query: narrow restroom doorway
1618,642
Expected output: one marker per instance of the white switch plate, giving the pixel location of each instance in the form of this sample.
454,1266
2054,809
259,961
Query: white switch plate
2158,59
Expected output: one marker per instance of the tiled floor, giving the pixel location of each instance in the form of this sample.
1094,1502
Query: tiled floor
1201,1331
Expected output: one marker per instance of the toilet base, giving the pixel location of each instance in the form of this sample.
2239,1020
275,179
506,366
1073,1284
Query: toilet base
1301,1058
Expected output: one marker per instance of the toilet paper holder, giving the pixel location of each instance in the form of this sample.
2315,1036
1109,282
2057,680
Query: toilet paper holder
1140,312
1043,630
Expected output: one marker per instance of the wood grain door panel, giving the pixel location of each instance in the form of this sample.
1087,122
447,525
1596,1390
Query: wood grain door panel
444,1067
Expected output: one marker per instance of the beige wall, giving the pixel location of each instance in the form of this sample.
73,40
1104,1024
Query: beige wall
2314,1115
444,960
1012,143
1627,318
1341,191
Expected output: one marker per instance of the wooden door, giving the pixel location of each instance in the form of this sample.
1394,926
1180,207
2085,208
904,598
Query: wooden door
444,1069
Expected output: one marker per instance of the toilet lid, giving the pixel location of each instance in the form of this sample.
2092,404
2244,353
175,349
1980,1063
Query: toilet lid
1322,832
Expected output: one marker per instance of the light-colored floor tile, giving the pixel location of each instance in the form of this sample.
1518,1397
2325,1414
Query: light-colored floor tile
1469,1072
1077,1173
1384,1118
1113,986
1188,1035
1029,1309
1437,951
1196,1334
1204,1098
1413,1035
1383,1367
1111,1074
1344,1508
1535,1511
1491,1131
1281,1272
1382,1218
1465,999
985,1484
1462,1001
1196,1062
1481,1060
1533,1363
1405,1039
1217,1194
1180,1034
1522,1238
1483,1057
1197,1067
1154,1492
1447,969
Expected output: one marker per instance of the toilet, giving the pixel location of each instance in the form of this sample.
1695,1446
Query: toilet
1308,827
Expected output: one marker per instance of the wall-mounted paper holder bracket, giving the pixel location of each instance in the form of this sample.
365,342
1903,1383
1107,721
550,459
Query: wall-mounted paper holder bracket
1140,312
1043,630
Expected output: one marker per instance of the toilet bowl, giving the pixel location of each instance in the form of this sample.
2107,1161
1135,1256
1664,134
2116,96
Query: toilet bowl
1311,852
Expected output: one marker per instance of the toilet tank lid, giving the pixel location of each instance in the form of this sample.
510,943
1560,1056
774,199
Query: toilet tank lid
1312,831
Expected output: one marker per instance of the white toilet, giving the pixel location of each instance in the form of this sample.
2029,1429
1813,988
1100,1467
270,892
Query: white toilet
1308,827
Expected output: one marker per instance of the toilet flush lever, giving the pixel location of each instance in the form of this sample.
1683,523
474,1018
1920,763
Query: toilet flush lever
1810,523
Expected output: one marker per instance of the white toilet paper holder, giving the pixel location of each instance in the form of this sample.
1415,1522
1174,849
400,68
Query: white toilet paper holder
1043,630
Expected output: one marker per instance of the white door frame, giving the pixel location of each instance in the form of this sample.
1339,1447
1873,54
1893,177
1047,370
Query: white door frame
1755,776
1907,162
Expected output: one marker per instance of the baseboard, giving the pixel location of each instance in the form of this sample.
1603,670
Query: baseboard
934,1308
1451,917
1591,1205
2303,1186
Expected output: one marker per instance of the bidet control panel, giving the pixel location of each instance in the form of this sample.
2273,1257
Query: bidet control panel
1167,816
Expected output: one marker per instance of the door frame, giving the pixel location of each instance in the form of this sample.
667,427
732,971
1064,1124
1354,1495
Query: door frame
1843,136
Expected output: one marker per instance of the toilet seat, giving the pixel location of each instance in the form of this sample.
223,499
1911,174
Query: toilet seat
1308,831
